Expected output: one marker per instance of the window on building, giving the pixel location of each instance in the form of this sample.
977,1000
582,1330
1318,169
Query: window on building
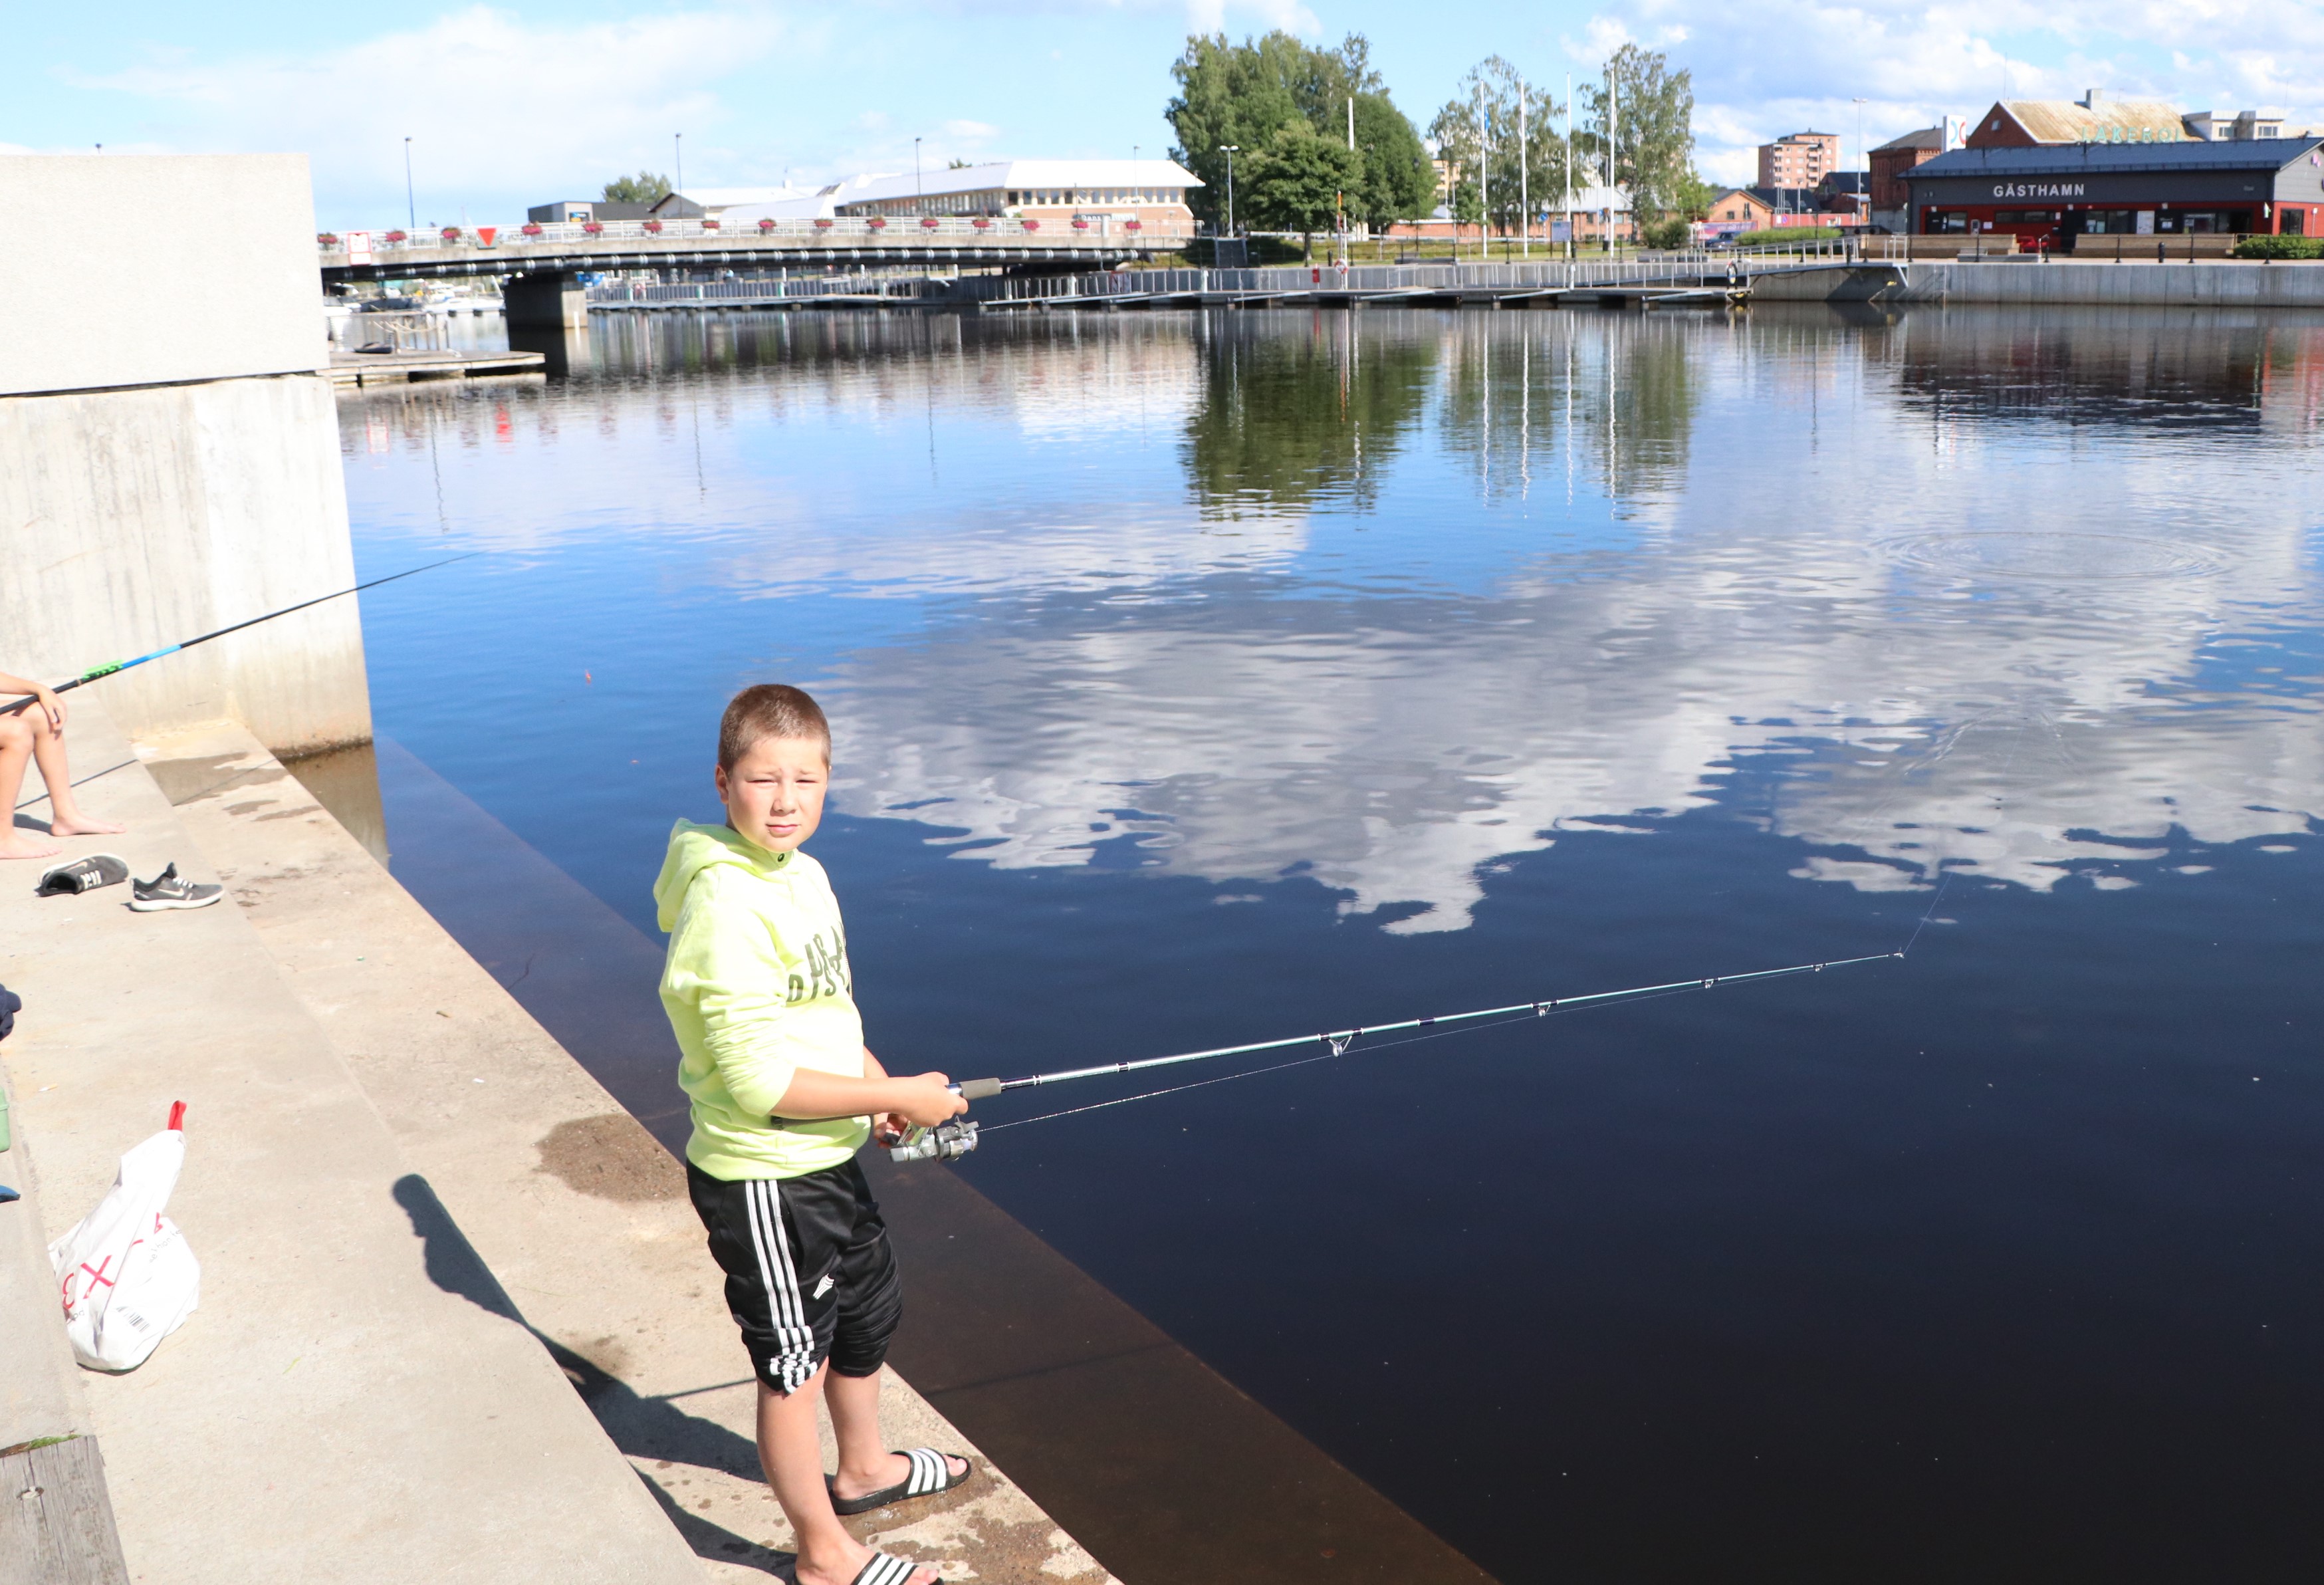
1950,223
2110,222
2295,222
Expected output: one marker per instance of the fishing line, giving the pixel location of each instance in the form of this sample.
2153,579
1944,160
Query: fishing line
1280,1066
955,1139
107,670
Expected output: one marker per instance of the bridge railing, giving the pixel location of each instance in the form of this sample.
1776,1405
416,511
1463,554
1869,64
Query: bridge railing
718,292
951,231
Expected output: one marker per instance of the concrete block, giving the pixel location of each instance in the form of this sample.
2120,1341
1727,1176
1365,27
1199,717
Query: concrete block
137,518
142,270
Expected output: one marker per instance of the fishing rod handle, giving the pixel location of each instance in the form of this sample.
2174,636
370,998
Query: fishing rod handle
975,1089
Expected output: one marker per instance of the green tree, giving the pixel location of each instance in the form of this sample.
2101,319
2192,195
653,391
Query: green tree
1500,125
1468,207
1398,182
1643,129
1244,94
643,188
1297,180
1694,196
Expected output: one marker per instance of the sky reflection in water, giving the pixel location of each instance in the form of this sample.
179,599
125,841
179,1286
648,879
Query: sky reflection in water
1204,680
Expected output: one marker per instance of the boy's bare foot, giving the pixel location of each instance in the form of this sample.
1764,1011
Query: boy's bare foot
16,844
82,826
894,1470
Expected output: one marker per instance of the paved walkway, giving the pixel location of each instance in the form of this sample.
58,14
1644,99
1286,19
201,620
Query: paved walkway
422,1227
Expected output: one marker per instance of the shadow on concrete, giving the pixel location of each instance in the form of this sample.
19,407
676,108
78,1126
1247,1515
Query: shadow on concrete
715,1541
642,1427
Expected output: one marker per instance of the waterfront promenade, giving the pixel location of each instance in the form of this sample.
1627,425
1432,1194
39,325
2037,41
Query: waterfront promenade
456,1321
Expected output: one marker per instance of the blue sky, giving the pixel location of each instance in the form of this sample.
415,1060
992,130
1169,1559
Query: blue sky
515,103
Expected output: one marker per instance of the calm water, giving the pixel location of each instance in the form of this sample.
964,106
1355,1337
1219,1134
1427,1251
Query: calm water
1201,681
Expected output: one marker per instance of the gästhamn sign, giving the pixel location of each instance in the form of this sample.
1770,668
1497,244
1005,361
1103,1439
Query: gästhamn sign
2037,190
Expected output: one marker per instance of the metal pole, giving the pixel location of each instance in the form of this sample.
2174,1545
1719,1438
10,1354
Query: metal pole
1524,187
1230,150
412,205
678,141
1864,193
1568,170
1484,176
1613,154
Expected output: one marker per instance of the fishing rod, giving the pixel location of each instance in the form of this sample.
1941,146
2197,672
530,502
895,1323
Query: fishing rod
107,670
950,1140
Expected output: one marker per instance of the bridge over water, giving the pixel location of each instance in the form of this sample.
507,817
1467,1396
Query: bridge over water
544,263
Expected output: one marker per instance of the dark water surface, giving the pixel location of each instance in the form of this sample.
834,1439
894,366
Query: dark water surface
1205,680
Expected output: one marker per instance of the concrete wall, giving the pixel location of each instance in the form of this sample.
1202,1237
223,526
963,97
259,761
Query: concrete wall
136,270
168,453
137,518
2177,285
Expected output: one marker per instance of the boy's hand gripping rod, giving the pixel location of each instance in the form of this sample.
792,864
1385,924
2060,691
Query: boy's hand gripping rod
948,1141
93,673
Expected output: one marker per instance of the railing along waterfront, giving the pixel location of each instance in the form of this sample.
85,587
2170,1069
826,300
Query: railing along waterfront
711,294
844,231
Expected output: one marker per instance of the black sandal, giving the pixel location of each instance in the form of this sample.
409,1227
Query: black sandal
931,1473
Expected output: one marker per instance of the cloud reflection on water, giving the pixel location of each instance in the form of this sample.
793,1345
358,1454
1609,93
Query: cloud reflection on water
1385,598
2007,627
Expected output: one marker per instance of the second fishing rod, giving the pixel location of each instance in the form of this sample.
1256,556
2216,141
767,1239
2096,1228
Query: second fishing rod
97,672
950,1140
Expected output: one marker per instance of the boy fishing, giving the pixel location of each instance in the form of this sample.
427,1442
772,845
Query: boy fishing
757,990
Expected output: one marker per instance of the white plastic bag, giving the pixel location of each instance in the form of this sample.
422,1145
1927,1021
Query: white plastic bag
127,1277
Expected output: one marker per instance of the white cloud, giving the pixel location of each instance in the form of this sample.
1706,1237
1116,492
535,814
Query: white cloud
1763,69
493,104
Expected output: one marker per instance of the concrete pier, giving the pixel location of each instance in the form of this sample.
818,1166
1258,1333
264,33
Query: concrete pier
456,1323
547,299
168,449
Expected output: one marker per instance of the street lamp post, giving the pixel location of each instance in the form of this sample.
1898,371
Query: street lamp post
1864,193
1525,178
1230,150
411,204
678,141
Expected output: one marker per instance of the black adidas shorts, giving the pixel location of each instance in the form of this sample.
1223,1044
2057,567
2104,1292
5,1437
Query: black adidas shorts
809,1276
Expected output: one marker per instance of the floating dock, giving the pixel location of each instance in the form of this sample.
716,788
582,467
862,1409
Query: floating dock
401,368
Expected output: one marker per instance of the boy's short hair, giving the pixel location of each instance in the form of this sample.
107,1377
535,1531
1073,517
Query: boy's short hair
765,710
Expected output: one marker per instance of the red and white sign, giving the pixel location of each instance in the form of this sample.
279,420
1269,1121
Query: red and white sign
359,247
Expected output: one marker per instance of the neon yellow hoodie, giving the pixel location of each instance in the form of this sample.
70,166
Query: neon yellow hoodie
757,986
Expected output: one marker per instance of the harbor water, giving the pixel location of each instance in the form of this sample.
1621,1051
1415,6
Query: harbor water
1206,678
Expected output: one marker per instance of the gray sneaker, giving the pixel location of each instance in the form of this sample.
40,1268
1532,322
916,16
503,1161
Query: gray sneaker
169,890
82,874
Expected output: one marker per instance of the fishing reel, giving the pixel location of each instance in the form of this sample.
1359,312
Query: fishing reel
944,1142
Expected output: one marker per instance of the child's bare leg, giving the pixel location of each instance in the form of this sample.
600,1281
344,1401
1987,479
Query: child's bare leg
48,751
865,1464
792,1456
16,753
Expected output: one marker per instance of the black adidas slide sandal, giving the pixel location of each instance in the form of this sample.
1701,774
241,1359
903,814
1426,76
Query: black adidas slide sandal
887,1569
931,1473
